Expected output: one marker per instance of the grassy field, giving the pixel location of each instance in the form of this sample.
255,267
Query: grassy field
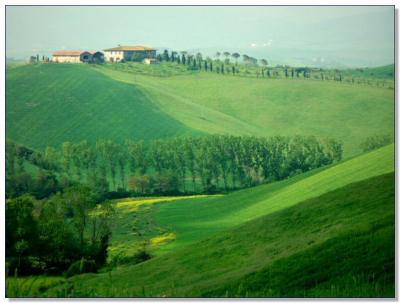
328,237
32,286
134,227
197,219
50,104
226,104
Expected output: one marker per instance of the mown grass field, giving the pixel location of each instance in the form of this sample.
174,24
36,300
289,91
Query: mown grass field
316,247
196,219
50,104
263,107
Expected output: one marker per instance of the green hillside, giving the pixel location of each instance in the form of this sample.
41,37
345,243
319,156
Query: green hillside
185,220
50,104
215,245
228,104
193,220
382,72
330,237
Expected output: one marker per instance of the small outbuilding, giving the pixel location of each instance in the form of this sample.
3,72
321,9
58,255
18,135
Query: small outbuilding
151,61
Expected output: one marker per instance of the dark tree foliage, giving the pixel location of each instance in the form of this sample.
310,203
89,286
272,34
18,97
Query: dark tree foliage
166,56
21,227
49,235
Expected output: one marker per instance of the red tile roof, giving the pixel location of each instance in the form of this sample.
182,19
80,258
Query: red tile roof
72,52
67,53
131,48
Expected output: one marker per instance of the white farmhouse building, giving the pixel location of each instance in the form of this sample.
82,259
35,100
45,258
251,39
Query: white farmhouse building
129,53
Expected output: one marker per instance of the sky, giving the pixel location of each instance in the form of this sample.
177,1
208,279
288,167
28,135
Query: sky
300,35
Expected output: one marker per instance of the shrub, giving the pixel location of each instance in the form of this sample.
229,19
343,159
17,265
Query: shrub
141,256
375,142
80,267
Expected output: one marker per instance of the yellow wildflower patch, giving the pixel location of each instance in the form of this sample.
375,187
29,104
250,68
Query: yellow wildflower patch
133,204
162,239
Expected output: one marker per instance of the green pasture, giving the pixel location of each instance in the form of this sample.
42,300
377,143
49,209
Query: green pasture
227,104
48,104
346,227
197,219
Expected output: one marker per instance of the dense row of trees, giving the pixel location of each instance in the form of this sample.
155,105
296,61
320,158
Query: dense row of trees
182,165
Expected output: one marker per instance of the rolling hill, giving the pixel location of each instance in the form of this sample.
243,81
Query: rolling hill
50,104
195,219
268,256
229,245
380,72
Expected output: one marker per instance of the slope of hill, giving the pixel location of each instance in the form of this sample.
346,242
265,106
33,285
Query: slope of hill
380,72
196,219
184,220
225,104
49,104
330,237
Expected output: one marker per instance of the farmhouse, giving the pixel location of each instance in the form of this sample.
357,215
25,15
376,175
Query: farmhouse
129,53
77,56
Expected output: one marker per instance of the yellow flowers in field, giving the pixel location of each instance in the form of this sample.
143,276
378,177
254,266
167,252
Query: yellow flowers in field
133,204
162,239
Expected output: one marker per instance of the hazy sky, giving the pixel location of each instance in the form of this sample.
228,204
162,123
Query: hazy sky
346,35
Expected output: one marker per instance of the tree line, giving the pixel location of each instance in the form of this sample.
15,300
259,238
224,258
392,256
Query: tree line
221,64
184,165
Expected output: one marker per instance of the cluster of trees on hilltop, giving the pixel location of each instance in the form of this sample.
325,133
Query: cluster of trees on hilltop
184,165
